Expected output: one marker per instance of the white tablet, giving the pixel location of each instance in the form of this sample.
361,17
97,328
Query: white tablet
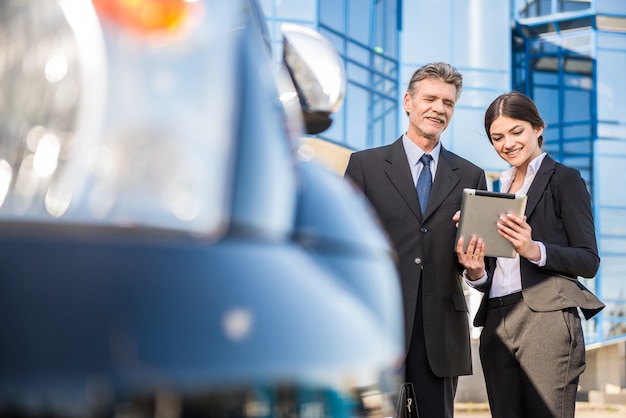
480,211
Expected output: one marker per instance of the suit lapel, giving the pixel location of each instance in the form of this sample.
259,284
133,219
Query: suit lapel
399,173
445,181
539,184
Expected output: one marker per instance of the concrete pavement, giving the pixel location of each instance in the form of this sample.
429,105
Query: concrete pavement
583,410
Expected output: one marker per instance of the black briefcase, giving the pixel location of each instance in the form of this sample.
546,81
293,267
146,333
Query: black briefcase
407,404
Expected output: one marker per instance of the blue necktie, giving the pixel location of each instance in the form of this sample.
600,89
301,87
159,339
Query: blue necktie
424,182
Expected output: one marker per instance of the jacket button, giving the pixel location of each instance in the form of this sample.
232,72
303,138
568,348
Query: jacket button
424,230
418,261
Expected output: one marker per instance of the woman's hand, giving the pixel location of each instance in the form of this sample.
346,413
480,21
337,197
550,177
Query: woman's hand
473,259
456,218
517,231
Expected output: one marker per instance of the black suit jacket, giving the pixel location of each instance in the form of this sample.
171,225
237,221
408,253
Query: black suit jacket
425,245
559,212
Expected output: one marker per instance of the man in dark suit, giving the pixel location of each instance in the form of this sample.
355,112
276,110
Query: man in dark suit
423,234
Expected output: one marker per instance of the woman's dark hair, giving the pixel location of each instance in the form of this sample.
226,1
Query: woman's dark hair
514,105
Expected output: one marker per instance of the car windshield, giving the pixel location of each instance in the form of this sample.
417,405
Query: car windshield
112,121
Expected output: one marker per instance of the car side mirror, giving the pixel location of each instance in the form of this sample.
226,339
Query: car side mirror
317,72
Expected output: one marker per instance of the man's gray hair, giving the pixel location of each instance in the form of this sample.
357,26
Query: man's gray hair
440,70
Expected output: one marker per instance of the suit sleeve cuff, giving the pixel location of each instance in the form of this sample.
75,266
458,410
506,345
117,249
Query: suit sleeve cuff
542,261
475,283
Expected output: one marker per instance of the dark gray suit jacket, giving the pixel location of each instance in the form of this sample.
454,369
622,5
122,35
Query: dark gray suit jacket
425,245
559,212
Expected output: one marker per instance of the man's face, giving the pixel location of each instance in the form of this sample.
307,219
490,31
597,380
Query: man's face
430,108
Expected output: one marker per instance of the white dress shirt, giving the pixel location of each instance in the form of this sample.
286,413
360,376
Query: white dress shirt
414,153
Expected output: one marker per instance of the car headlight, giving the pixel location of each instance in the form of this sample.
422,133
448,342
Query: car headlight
107,114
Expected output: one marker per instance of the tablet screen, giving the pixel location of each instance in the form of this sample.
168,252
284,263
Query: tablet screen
480,210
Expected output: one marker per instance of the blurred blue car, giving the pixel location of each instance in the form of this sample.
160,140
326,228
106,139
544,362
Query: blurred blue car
162,250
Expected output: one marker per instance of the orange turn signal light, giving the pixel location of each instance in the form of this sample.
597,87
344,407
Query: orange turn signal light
147,15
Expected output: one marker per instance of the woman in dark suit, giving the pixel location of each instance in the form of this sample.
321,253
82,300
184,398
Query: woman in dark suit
531,347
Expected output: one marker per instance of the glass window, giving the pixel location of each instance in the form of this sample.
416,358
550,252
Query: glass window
573,5
358,53
385,29
384,120
390,132
547,101
611,86
585,83
371,67
611,41
613,220
615,244
358,74
578,148
520,67
300,10
384,85
607,167
613,275
543,46
583,22
611,131
546,78
546,63
577,131
357,116
610,6
359,20
611,147
332,14
581,43
534,8
576,106
389,72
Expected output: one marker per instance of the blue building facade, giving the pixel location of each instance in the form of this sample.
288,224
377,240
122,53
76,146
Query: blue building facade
568,55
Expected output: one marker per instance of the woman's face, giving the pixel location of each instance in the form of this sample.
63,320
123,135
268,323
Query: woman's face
516,141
